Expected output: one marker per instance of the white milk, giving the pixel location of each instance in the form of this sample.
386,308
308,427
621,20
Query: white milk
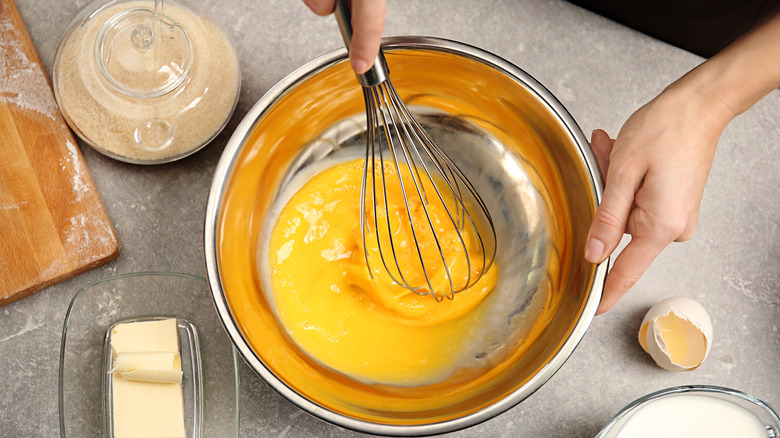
691,416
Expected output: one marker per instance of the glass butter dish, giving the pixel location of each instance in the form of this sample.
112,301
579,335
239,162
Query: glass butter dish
210,381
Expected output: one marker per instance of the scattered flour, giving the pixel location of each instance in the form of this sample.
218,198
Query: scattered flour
80,187
22,82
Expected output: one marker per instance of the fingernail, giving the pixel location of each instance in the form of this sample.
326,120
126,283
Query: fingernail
359,65
594,250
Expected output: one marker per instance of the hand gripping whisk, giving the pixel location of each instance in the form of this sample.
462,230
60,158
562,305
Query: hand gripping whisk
425,222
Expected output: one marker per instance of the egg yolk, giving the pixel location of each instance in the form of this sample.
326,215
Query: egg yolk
681,340
360,322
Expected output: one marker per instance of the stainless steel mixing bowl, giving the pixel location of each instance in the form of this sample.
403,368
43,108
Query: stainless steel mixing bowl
525,155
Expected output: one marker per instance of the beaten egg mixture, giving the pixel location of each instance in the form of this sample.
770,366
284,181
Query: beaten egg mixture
373,329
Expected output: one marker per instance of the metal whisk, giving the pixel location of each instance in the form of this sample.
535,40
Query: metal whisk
427,180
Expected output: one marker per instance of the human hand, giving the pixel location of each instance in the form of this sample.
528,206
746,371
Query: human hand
368,21
655,172
657,167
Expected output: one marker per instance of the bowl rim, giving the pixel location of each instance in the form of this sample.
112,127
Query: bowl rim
217,191
688,389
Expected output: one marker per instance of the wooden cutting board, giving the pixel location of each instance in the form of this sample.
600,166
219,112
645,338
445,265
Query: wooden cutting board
53,224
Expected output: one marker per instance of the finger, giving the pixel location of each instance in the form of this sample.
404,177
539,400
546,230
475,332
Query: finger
685,237
609,221
629,266
690,228
601,145
321,7
368,21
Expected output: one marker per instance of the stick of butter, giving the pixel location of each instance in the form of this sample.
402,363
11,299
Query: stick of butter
154,367
146,384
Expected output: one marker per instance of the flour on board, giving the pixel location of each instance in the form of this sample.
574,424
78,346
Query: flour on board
22,82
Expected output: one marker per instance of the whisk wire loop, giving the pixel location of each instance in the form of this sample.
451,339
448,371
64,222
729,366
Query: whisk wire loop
462,213
413,151
370,139
371,97
391,106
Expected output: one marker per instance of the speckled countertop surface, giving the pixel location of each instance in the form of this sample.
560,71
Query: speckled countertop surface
599,70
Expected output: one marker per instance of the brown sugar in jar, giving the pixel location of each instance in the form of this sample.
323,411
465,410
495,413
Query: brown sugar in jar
145,85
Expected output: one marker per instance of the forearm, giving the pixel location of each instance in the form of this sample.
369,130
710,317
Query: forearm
740,75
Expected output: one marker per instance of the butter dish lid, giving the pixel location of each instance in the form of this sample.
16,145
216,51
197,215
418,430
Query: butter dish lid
210,388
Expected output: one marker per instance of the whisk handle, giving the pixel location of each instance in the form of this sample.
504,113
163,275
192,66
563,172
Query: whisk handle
378,72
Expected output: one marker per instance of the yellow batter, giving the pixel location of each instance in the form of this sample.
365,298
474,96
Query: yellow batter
371,329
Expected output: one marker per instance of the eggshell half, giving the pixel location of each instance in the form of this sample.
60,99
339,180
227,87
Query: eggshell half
677,334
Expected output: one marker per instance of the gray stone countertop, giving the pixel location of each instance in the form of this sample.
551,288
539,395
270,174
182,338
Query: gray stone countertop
599,70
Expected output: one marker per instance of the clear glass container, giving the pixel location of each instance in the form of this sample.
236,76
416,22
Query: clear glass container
210,382
715,405
145,81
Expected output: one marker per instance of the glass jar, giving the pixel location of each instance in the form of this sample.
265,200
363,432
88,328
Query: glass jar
146,81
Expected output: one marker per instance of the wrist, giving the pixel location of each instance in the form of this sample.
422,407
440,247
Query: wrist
698,97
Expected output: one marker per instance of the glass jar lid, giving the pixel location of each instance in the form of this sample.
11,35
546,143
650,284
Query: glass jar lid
143,52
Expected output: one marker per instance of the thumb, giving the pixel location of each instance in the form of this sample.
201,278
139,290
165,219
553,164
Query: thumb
321,7
368,21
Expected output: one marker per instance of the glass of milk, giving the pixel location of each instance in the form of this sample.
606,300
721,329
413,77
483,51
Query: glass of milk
695,411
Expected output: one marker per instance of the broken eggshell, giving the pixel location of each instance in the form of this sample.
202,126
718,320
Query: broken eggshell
677,334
